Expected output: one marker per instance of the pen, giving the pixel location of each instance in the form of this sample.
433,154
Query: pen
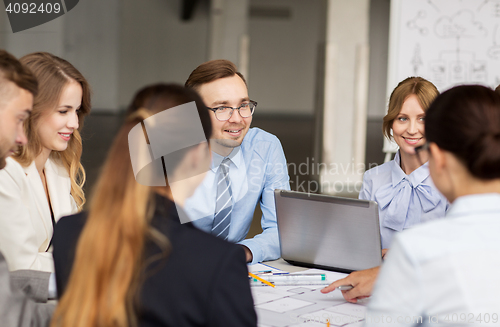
260,279
264,272
296,277
345,287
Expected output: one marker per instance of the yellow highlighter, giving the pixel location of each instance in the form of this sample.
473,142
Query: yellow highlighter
260,279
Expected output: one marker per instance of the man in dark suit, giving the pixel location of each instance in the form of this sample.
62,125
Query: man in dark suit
20,290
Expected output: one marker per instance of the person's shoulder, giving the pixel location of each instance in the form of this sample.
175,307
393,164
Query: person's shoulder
256,134
202,245
70,224
13,168
203,239
380,170
261,143
13,176
433,240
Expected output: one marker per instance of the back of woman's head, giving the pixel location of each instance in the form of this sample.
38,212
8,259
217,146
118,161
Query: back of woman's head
465,121
109,257
425,91
158,97
53,74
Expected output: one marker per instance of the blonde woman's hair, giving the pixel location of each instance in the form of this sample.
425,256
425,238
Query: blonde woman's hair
53,74
425,91
109,262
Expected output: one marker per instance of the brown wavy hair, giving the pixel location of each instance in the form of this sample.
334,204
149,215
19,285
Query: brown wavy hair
53,74
425,91
103,287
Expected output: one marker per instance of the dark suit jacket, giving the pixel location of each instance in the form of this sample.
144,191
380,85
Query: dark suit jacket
17,309
203,281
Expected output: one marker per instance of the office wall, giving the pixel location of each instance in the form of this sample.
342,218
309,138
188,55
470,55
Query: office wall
122,45
119,46
285,37
87,36
156,45
379,51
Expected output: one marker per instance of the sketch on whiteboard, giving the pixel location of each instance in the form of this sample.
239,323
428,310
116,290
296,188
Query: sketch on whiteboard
434,6
462,24
482,4
414,24
461,65
448,42
494,50
496,7
416,61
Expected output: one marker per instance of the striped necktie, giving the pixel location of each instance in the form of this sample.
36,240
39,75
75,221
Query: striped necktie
224,203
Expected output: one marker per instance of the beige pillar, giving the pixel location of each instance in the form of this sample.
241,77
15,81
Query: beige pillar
345,96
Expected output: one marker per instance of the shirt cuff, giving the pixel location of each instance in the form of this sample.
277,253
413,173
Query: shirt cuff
52,286
255,249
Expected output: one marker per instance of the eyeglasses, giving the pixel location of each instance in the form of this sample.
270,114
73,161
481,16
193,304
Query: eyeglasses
422,151
245,110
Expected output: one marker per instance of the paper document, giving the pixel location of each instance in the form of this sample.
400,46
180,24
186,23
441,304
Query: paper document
304,305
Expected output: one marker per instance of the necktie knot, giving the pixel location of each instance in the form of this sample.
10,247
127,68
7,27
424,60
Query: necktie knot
225,164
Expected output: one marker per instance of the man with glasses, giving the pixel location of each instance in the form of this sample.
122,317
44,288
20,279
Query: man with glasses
248,164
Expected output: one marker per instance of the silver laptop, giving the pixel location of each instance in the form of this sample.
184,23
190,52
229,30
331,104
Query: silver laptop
328,232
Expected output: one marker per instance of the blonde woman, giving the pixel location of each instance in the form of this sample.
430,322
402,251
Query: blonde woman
445,272
135,263
402,188
43,180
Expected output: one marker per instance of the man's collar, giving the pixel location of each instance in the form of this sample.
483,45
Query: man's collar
235,156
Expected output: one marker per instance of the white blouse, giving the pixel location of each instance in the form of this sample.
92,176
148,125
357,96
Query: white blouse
25,220
444,272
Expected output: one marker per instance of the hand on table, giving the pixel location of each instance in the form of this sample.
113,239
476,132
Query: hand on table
248,254
362,282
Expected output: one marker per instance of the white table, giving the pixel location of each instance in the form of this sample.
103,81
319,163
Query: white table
287,306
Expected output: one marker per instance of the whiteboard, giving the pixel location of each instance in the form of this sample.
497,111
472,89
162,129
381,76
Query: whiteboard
448,42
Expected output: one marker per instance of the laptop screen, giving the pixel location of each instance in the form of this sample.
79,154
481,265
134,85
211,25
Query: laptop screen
328,232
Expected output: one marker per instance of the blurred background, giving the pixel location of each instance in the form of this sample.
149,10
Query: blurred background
317,68
279,45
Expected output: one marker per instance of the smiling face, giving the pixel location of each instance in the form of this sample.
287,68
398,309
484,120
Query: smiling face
408,127
57,126
15,108
227,92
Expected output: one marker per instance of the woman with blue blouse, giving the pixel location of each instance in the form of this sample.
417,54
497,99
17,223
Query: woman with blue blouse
445,273
403,189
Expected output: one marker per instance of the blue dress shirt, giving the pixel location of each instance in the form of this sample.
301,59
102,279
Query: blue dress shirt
403,200
256,169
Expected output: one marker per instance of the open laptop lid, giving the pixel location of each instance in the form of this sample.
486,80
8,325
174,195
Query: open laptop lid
328,232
